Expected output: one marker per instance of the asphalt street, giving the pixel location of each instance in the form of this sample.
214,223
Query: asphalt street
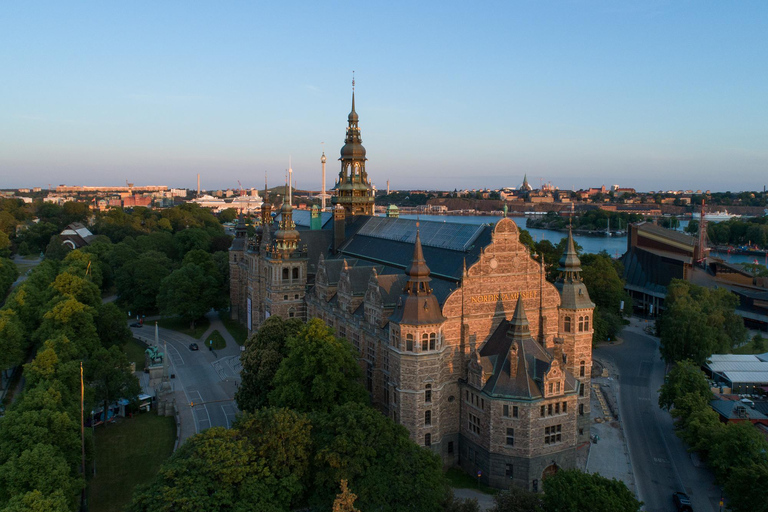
208,380
660,460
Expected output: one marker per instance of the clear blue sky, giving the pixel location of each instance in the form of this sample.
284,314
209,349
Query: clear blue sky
649,94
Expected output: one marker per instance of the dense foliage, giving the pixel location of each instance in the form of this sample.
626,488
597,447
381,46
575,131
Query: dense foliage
736,452
592,220
740,231
698,322
57,314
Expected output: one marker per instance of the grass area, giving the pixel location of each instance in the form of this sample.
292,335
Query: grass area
218,340
458,479
182,326
235,328
127,454
135,352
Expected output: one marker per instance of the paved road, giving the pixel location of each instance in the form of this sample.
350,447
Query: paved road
659,458
206,378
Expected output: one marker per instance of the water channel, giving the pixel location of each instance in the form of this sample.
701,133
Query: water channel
614,245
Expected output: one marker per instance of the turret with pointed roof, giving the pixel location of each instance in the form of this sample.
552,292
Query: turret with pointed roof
353,190
573,291
418,305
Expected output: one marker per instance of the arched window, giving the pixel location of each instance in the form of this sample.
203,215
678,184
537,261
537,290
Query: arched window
581,324
291,313
428,417
582,369
567,324
409,342
285,273
425,342
586,323
295,272
428,394
432,340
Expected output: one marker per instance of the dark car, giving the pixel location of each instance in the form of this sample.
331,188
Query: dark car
682,502
193,346
136,324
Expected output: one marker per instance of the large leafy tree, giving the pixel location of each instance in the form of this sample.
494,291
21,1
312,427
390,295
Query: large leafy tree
698,322
13,342
264,351
569,490
138,280
385,469
606,289
189,293
319,372
258,465
111,325
110,376
517,499
74,320
685,377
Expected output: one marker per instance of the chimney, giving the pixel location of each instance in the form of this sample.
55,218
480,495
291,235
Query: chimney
513,358
198,184
558,350
339,221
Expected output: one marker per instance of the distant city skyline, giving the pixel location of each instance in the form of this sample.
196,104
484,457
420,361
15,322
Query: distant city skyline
654,95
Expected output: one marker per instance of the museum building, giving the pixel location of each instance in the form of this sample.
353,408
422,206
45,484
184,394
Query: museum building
461,338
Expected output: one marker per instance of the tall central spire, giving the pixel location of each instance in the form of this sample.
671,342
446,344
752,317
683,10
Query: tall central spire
353,190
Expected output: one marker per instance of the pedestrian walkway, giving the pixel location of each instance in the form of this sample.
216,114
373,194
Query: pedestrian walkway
232,348
609,456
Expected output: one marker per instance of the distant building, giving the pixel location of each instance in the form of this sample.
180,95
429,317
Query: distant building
76,236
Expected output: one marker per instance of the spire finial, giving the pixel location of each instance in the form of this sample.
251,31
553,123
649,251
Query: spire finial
353,81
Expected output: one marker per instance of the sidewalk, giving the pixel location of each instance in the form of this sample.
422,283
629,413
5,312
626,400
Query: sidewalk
610,456
232,348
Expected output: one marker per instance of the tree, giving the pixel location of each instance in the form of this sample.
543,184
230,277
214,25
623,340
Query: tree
39,468
110,376
571,489
8,275
383,466
74,320
685,377
192,238
737,445
111,325
189,293
319,372
264,351
692,228
257,465
36,501
12,340
517,499
746,487
606,290
758,343
138,280
698,322
82,290
227,215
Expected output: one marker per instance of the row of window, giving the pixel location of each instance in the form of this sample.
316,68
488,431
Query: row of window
550,409
474,399
474,424
582,325
428,342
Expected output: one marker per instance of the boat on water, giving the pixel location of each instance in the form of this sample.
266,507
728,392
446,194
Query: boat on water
723,215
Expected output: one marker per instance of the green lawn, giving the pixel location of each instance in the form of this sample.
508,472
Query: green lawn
218,340
750,349
235,328
182,326
135,352
458,479
127,454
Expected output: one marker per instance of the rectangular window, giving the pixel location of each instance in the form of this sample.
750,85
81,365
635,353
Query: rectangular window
424,342
543,411
482,403
505,411
428,396
427,418
474,424
510,437
549,410
557,387
450,446
432,341
509,471
514,411
581,409
581,389
466,396
409,342
565,407
553,434
427,439
551,385
557,408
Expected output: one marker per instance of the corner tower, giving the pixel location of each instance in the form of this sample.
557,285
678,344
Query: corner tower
353,190
576,329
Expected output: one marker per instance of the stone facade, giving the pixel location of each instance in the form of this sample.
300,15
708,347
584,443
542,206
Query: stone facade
487,365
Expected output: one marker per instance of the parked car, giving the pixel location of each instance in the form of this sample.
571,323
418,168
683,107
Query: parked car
136,324
193,346
682,502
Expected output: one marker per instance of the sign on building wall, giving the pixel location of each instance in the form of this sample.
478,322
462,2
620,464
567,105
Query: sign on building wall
248,323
